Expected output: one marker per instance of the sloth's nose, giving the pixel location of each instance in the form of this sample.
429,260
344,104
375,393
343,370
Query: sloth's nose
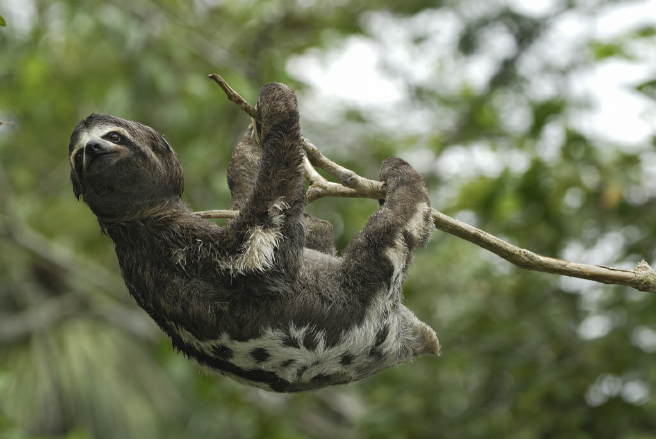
94,148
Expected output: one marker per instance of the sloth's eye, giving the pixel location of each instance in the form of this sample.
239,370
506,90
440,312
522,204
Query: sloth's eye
78,157
114,137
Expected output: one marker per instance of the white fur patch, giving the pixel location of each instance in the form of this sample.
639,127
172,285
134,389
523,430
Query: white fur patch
257,253
276,212
259,249
417,226
398,255
179,257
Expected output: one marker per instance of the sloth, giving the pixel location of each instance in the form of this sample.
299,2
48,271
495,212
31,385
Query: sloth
262,300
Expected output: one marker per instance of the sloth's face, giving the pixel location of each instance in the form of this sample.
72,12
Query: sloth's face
119,166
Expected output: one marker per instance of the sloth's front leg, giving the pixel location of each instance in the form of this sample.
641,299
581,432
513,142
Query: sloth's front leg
242,174
273,211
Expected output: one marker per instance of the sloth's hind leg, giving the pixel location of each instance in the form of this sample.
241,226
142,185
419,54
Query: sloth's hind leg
378,257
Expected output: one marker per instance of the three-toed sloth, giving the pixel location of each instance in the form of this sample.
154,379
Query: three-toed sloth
263,300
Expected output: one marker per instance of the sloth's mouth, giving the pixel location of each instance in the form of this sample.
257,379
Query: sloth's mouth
83,163
96,149
92,158
93,164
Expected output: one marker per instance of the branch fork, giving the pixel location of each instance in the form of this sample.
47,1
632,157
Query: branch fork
351,185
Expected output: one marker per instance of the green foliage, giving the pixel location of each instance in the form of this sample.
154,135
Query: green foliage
525,354
602,51
3,22
648,88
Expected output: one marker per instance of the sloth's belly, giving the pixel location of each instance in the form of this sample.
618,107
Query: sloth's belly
298,359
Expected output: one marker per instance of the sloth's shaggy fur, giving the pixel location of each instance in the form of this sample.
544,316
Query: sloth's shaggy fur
263,300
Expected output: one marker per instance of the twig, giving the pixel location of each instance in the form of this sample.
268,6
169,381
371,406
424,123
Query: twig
352,185
642,278
320,187
235,97
218,214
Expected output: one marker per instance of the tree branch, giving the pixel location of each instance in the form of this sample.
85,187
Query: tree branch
351,185
235,97
642,278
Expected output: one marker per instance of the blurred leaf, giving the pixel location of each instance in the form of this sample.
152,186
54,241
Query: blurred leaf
648,88
646,32
545,111
3,22
601,51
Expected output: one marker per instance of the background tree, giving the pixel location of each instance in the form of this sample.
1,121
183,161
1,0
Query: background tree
482,97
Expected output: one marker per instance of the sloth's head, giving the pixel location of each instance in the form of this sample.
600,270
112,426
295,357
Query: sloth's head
120,167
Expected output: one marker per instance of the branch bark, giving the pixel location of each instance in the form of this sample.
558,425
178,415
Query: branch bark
351,185
642,278
235,97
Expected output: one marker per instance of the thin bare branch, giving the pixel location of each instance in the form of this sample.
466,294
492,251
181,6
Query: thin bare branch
218,214
362,187
320,187
235,97
642,278
351,185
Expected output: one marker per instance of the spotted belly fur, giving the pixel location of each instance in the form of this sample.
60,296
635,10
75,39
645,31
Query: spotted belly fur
296,359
